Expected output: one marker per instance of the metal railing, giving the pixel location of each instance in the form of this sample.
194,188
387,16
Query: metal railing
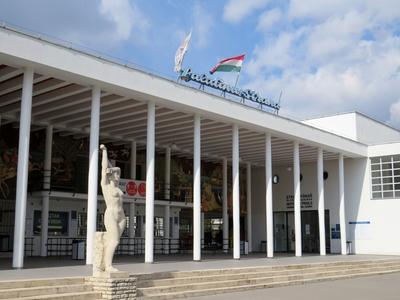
28,246
172,192
60,246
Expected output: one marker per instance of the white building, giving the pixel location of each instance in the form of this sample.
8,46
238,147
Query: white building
340,173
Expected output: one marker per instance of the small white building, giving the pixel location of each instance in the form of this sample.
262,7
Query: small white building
218,172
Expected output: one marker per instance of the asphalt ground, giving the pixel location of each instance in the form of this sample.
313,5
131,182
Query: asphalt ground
379,287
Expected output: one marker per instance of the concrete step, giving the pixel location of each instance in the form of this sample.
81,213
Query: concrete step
64,296
208,272
237,288
44,290
251,281
15,284
247,274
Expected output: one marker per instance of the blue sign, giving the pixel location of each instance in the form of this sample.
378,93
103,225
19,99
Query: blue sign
188,75
335,232
359,222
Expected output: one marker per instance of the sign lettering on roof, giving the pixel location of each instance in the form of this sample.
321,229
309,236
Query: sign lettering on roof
187,75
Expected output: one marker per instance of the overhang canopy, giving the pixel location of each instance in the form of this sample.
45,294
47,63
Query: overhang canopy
62,97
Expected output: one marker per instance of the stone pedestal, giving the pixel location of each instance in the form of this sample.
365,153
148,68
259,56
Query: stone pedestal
114,285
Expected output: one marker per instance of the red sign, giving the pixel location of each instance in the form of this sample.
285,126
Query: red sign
133,188
142,189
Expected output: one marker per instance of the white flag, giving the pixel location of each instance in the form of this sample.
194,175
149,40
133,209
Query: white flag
180,53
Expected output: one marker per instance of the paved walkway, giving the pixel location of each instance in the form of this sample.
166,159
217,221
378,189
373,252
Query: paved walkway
382,287
38,267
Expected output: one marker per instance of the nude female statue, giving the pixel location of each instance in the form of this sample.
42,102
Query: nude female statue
114,217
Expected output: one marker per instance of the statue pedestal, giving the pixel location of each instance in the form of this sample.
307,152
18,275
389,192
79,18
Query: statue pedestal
114,285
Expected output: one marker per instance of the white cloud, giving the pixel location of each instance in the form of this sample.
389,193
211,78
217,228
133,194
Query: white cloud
346,57
125,16
236,10
320,9
268,19
384,10
336,36
275,53
101,25
395,114
203,23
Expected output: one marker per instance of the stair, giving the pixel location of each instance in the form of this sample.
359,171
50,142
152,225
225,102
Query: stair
70,288
173,285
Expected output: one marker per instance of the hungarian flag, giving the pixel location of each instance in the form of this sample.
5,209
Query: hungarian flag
232,64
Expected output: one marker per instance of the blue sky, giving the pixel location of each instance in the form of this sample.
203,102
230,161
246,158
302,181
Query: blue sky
326,56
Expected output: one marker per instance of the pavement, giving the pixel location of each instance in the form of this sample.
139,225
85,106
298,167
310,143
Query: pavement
380,287
51,267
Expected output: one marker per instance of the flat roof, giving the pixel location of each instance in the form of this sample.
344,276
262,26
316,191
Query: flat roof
125,93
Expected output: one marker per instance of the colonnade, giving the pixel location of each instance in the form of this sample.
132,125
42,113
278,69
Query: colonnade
22,183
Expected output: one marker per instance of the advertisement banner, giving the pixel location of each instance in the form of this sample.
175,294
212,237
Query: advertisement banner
133,188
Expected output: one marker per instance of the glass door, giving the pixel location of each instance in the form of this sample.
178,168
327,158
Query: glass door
280,232
291,232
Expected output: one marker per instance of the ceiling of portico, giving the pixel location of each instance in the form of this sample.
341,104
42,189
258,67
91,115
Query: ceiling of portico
66,105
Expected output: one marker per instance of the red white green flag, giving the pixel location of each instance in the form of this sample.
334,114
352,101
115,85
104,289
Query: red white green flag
231,64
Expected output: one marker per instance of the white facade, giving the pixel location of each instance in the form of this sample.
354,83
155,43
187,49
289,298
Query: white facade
111,102
358,127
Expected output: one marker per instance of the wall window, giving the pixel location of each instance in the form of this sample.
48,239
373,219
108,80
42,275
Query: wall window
385,177
58,223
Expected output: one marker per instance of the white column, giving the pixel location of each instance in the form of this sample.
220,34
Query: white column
93,173
342,217
167,177
235,192
248,204
132,214
46,188
268,196
297,203
321,201
149,234
167,211
133,160
225,219
22,169
196,190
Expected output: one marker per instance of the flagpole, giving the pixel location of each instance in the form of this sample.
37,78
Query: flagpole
237,79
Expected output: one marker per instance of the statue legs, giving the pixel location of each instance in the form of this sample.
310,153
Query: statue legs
112,236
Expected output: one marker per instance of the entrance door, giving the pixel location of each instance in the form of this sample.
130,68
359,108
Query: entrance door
310,231
291,232
284,231
280,234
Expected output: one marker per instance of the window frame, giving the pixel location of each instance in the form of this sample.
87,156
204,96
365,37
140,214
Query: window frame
388,177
